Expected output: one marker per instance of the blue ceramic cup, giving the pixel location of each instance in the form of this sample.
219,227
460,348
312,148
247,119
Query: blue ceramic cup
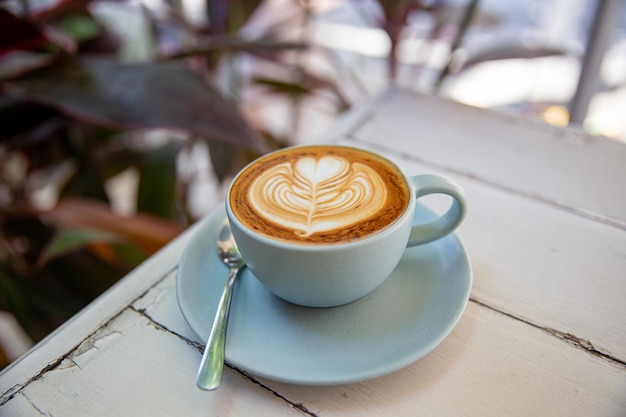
336,273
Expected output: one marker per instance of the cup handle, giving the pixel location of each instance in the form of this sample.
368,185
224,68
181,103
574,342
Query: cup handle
446,223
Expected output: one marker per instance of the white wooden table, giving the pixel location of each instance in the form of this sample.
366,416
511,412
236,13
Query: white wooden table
544,333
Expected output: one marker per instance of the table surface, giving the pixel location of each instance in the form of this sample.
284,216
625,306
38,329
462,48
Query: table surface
544,332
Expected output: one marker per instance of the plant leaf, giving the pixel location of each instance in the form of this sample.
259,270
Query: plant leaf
17,63
156,193
263,47
227,160
86,182
81,27
72,240
279,86
228,15
126,96
148,232
18,34
17,116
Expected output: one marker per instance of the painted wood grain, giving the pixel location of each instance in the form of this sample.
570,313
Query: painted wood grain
131,367
563,166
553,268
489,366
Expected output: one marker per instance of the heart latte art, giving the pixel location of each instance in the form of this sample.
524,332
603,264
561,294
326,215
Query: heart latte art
316,195
319,194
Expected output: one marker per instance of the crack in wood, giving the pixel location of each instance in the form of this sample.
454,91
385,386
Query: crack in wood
570,338
10,393
163,328
17,388
35,406
297,406
76,350
79,348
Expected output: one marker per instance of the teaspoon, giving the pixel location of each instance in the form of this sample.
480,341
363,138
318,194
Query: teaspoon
212,364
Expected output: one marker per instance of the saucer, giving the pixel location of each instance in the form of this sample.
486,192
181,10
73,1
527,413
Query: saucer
400,322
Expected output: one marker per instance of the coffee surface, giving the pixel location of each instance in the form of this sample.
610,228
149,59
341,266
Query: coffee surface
319,194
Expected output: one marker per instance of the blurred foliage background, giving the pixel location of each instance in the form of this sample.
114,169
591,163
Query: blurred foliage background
80,105
115,114
95,91
106,107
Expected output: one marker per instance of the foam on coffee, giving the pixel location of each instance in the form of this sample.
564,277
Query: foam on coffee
319,194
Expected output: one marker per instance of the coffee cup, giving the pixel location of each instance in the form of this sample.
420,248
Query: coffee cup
324,225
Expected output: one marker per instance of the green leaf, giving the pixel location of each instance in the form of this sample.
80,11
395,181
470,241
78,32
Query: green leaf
278,86
156,193
228,15
241,11
129,254
86,182
127,96
81,27
68,241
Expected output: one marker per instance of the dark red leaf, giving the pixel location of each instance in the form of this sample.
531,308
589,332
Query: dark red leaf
18,116
127,96
18,34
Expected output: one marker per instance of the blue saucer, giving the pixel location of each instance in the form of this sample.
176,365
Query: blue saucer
399,323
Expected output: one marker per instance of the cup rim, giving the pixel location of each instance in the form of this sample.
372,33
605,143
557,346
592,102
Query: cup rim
380,234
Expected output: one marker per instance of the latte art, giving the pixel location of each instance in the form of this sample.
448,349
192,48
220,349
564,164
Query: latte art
315,195
319,194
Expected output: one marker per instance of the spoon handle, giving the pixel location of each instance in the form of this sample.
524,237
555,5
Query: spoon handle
212,364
